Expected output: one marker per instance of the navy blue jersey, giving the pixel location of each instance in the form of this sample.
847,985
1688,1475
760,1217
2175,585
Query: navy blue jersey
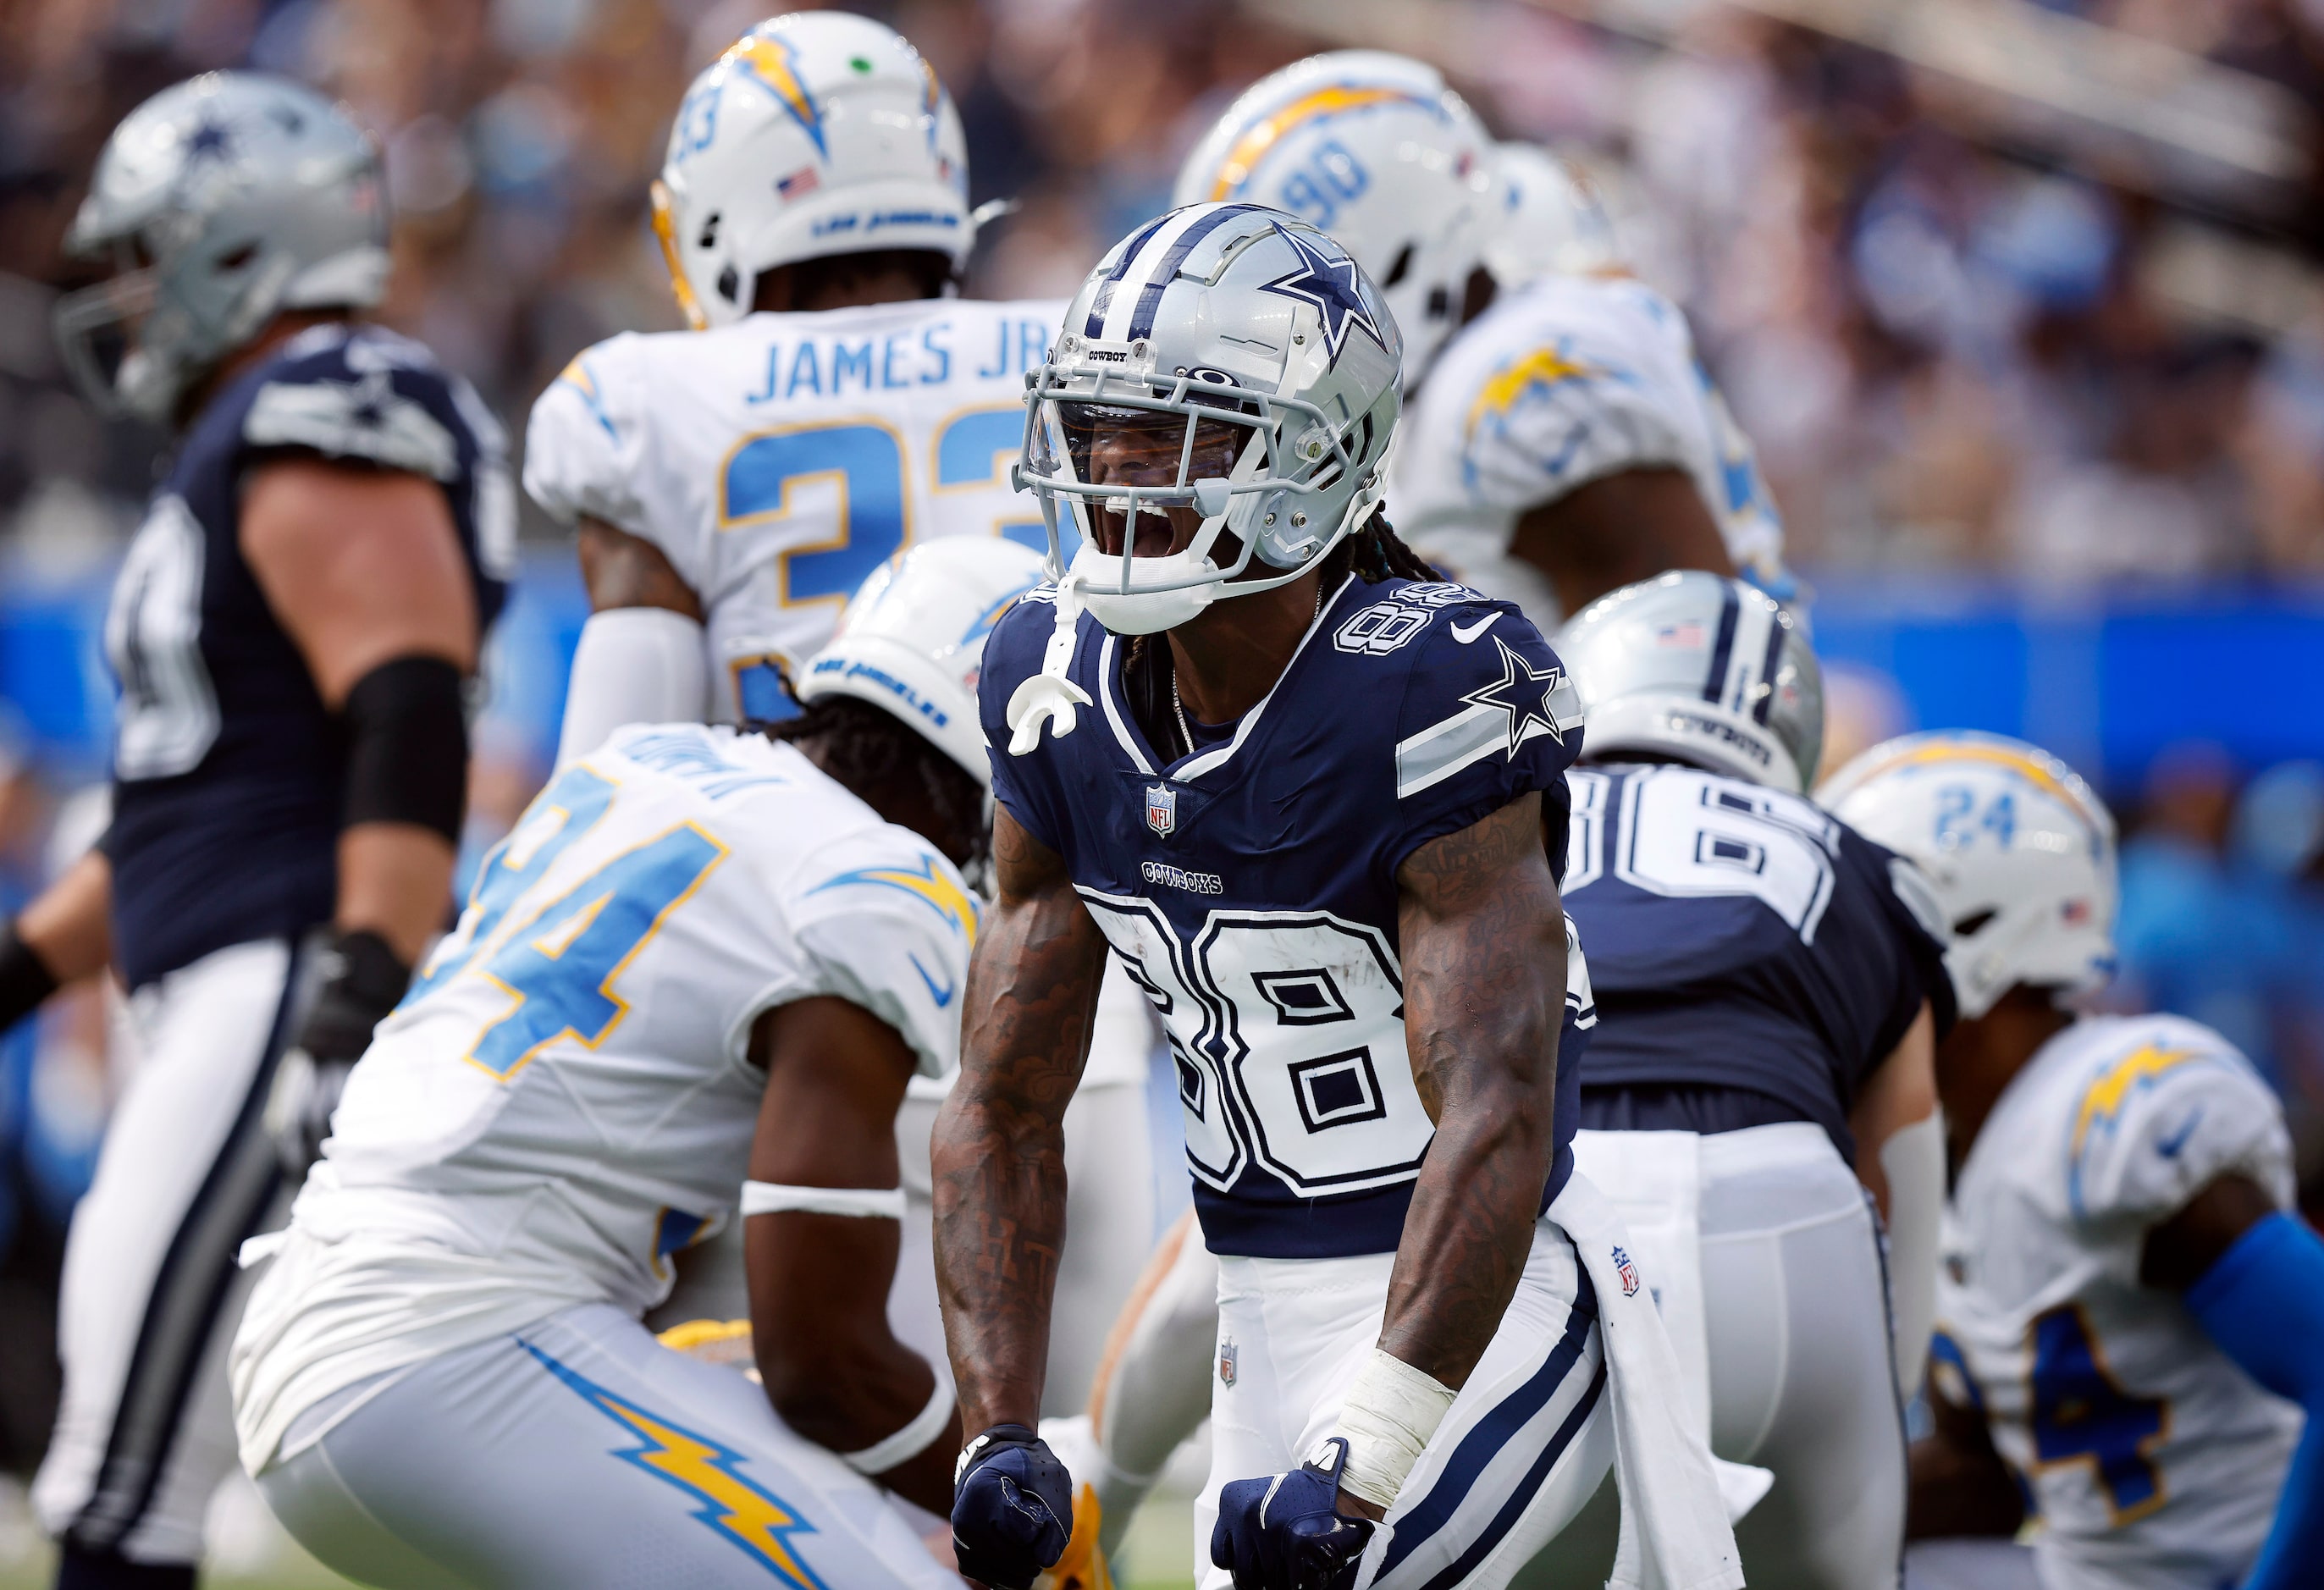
1250,887
1740,937
229,771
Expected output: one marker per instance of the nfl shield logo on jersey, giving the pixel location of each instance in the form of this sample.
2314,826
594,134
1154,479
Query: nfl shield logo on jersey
1628,1272
1161,809
1227,1362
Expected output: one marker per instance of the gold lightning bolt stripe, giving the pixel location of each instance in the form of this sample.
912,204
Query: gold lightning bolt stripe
1544,368
755,1520
768,58
2029,769
1263,134
946,898
2104,1099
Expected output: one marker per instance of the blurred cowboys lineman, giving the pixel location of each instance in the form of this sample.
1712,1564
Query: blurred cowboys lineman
2130,1315
1561,426
731,484
1376,151
1253,745
703,954
1770,986
293,631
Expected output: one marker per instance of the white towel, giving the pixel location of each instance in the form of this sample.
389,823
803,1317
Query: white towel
1675,1533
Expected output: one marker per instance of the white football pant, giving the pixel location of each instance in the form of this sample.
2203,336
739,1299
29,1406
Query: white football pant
151,1292
1525,1444
1802,1382
580,1453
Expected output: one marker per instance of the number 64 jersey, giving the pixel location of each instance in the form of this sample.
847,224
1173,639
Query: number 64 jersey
2153,1460
1251,888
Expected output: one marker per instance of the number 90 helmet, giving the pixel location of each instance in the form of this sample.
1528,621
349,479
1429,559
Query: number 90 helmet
1215,417
815,133
1700,669
1374,150
2020,850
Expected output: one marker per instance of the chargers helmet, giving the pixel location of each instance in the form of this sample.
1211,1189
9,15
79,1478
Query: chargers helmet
2021,853
1253,365
912,639
1375,150
819,132
1550,222
1701,669
222,202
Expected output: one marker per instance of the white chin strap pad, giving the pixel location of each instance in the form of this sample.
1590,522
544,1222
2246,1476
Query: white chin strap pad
1913,1159
633,665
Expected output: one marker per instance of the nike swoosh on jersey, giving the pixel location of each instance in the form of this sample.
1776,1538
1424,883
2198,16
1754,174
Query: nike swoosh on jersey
2169,1147
1466,636
941,995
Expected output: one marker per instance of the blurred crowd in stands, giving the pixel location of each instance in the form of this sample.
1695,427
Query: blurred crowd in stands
1954,352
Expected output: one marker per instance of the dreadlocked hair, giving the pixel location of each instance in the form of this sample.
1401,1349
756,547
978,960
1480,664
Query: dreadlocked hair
864,746
1375,554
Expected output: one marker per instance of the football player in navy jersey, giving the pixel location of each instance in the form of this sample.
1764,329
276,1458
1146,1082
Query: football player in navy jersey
1770,986
1301,788
293,630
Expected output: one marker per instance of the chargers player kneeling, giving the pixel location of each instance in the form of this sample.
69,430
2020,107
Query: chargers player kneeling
702,954
1301,787
2130,1320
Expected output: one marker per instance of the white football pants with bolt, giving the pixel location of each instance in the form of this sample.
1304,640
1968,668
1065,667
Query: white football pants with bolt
579,1452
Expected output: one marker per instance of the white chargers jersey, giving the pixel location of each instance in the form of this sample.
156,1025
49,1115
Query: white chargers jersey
2154,1461
565,1098
1569,380
776,462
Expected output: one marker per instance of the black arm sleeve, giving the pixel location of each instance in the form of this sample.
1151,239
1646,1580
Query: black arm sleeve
408,746
24,979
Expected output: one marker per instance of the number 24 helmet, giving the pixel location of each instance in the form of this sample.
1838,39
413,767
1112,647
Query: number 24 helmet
2020,850
815,133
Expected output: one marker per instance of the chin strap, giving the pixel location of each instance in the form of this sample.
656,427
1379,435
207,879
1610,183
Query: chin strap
1050,696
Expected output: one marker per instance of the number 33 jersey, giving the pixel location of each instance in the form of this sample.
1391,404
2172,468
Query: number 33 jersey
2153,1460
776,462
1251,888
566,1096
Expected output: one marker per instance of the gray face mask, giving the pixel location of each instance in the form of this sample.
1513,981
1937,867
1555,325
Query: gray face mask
221,203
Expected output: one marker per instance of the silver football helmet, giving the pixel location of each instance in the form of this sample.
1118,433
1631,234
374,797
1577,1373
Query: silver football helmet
222,202
1702,669
1225,379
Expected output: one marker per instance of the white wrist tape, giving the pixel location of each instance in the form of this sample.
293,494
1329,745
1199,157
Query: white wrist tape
1392,1411
913,1439
871,1203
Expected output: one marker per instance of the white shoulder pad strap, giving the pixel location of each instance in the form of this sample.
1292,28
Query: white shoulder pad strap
367,419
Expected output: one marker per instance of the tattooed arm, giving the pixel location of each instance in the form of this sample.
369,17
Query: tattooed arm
1483,945
999,1152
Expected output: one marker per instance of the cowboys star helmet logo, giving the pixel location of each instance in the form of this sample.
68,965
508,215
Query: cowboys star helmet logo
1526,694
1329,285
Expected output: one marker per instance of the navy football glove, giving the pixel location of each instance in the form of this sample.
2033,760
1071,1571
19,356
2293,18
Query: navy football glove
1287,1532
1012,1507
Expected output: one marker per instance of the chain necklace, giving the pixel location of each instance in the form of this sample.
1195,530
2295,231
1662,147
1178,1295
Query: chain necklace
1178,708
